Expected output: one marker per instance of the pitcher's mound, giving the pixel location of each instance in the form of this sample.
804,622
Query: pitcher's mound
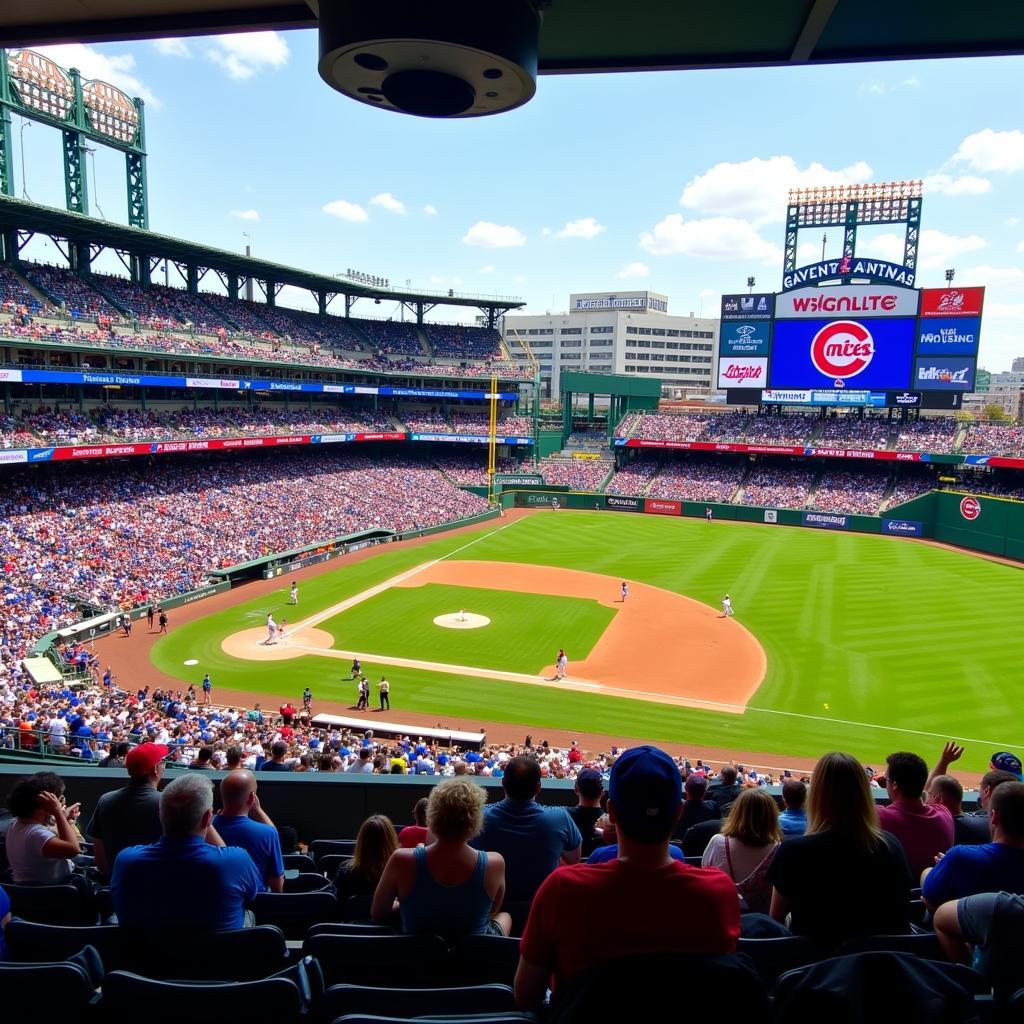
251,644
462,620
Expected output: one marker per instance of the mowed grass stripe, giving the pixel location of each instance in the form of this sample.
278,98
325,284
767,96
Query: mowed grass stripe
903,635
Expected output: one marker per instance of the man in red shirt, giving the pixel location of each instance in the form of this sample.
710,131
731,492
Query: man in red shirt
924,830
576,902
287,712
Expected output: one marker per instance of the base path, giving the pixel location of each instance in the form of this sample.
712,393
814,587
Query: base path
660,646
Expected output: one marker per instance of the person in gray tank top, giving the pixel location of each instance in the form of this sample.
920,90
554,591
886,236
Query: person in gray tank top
447,888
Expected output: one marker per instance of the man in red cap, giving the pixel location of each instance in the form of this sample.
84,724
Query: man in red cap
129,816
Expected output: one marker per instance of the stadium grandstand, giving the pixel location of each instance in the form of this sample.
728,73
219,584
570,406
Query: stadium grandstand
628,638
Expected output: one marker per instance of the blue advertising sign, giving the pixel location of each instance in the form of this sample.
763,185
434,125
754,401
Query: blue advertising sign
874,355
748,307
902,527
952,336
949,374
470,439
825,520
744,338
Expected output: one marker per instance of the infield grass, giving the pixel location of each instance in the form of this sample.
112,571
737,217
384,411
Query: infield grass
908,644
524,634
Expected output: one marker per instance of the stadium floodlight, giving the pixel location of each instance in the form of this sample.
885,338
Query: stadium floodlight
950,274
462,58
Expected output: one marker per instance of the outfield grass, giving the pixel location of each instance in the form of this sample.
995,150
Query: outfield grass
524,634
900,639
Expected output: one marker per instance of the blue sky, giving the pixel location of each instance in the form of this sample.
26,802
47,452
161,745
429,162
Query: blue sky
672,181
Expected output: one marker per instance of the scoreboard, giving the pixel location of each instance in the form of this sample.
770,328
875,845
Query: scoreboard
851,344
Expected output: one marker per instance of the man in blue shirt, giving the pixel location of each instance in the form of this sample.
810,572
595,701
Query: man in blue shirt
533,839
989,867
181,880
793,820
243,822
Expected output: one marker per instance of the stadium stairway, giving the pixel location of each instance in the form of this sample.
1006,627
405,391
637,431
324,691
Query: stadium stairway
736,497
40,293
813,489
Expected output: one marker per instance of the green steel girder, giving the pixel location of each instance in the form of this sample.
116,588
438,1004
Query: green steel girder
792,231
913,232
75,183
6,177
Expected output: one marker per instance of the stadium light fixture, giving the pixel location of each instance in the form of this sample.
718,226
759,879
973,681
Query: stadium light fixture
750,284
462,58
950,274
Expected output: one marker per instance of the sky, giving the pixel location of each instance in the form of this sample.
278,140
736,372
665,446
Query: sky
673,181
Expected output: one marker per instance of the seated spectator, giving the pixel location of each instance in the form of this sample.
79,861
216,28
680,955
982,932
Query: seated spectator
726,789
589,788
415,834
793,820
278,752
924,830
129,816
745,847
696,807
568,929
39,852
447,888
993,924
975,825
532,839
946,791
208,886
997,866
375,844
243,822
845,877
611,852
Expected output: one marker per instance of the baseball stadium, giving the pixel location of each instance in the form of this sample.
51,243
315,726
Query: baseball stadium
230,490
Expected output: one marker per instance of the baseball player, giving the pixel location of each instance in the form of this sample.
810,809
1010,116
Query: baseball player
727,612
625,591
281,631
271,629
295,593
385,693
561,663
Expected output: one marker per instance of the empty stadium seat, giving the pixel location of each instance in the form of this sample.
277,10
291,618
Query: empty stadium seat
411,961
307,881
349,928
295,912
319,847
774,957
330,862
485,959
300,862
341,1000
925,945
33,942
52,904
33,989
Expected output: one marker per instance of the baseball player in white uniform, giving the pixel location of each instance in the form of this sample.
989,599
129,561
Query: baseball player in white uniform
271,629
727,612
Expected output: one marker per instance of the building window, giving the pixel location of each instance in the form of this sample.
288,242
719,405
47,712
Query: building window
574,343
643,330
572,330
602,330
602,342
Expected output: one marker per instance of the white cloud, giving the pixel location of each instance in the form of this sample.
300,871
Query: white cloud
487,268
1012,222
715,238
444,282
488,235
990,150
634,269
546,232
344,210
964,185
172,47
246,214
430,211
519,279
1020,247
115,68
1009,310
243,55
584,227
387,201
876,88
990,276
707,293
935,248
755,190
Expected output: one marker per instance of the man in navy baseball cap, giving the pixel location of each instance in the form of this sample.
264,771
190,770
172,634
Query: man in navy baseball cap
1004,761
646,793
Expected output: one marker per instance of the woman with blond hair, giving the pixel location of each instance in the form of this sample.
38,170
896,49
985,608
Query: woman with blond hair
447,888
745,847
845,877
375,843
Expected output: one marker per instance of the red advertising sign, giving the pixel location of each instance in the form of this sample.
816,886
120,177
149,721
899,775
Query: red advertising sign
952,301
380,437
970,509
658,507
767,449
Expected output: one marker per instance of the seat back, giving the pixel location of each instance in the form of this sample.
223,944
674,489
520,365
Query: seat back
66,985
349,928
32,942
772,957
299,862
319,847
926,946
330,862
485,959
340,1000
295,912
52,904
308,881
409,961
166,1002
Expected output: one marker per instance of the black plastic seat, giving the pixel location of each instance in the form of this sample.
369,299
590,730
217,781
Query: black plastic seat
349,928
299,862
342,1000
295,912
308,881
510,1017
319,847
484,960
926,946
70,984
413,961
330,862
52,904
773,957
32,942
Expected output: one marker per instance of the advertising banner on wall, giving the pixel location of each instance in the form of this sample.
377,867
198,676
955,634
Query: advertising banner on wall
902,527
617,504
952,336
742,371
825,520
745,338
952,301
854,300
748,307
655,506
842,354
944,374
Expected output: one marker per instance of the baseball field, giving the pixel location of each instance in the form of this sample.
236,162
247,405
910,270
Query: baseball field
839,641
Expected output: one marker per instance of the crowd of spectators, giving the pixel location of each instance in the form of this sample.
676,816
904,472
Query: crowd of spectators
576,474
849,431
859,491
999,486
994,439
634,477
458,341
911,482
71,291
702,478
393,337
783,484
470,469
936,434
466,421
747,428
15,296
120,536
45,425
587,438
651,427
